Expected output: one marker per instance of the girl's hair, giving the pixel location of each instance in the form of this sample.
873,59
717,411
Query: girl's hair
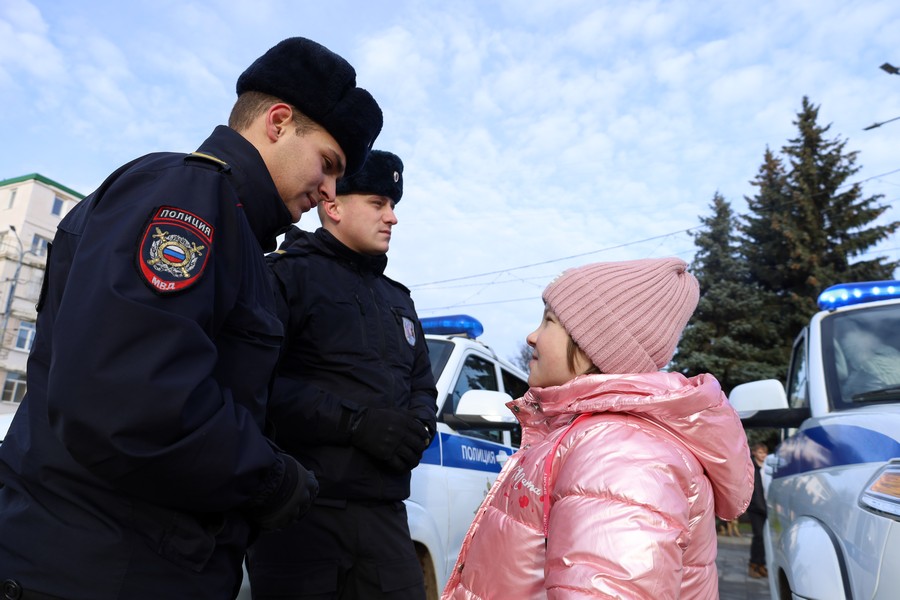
250,105
572,350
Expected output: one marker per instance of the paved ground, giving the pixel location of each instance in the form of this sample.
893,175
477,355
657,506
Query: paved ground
734,581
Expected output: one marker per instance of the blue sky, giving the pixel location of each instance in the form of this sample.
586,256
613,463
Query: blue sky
536,135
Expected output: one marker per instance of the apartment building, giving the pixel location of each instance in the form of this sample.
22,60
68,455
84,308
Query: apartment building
31,207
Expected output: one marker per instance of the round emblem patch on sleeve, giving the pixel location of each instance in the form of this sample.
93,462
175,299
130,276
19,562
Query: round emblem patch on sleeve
409,330
173,250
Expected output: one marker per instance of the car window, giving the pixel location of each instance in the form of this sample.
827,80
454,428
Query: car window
798,396
513,384
515,387
439,352
477,374
861,351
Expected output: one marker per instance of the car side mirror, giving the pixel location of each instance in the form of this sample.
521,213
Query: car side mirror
764,404
482,409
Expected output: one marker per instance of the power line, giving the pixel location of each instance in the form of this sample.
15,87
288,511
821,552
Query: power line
616,247
554,260
464,303
459,304
874,177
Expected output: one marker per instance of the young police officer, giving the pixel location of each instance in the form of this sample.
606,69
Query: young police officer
354,401
136,466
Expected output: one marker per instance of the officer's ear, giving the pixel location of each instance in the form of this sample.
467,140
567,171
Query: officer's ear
331,210
279,119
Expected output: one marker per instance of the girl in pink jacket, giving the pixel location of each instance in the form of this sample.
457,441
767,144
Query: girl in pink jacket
622,468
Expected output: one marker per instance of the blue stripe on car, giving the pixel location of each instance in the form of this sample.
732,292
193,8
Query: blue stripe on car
832,446
465,453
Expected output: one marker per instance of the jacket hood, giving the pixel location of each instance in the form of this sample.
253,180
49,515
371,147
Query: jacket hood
694,409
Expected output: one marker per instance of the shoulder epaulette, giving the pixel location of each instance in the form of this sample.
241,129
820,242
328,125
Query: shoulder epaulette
287,253
209,158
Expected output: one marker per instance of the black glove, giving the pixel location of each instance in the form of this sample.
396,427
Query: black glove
430,428
289,500
392,436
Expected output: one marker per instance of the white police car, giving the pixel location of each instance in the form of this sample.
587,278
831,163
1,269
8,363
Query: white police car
833,528
476,435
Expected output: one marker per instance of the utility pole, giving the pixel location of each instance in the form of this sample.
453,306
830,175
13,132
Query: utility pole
12,286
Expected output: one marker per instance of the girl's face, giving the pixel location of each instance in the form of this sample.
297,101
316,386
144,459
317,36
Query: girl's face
549,343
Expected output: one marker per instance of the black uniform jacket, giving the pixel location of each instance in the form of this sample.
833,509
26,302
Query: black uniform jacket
156,342
352,339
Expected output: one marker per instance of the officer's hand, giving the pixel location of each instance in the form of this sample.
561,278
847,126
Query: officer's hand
391,436
409,457
289,501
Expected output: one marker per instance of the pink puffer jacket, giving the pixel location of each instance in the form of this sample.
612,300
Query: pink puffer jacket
631,491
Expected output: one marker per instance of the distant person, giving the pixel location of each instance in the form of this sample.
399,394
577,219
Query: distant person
732,528
622,468
136,466
757,512
354,401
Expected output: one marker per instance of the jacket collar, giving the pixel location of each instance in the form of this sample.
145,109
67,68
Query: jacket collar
658,396
265,210
325,242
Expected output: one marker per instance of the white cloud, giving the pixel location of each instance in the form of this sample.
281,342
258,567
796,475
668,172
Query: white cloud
530,131
25,50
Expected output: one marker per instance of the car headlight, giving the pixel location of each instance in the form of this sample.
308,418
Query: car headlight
882,494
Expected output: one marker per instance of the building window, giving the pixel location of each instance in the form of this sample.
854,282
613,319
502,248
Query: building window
14,387
57,206
12,198
26,336
39,245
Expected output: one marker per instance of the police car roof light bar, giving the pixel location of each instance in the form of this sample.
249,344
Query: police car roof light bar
453,325
845,294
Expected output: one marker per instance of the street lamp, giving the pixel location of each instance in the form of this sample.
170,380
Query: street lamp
874,125
892,70
12,285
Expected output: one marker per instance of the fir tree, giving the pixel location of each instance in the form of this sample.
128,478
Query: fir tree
729,334
840,223
808,222
765,237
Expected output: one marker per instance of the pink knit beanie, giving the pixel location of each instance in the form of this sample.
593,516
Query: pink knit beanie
627,316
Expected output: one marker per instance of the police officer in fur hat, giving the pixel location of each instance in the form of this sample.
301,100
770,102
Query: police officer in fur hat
353,401
136,466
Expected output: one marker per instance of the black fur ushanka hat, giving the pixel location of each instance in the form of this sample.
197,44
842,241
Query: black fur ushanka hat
321,85
382,175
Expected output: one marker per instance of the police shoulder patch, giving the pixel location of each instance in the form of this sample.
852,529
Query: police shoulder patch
409,330
174,249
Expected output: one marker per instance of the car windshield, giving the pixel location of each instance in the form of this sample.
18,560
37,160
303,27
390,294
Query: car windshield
862,356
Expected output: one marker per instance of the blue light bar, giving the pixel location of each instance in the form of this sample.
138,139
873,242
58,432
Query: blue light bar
453,325
845,294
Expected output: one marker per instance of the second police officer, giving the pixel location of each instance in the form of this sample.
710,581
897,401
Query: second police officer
354,401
